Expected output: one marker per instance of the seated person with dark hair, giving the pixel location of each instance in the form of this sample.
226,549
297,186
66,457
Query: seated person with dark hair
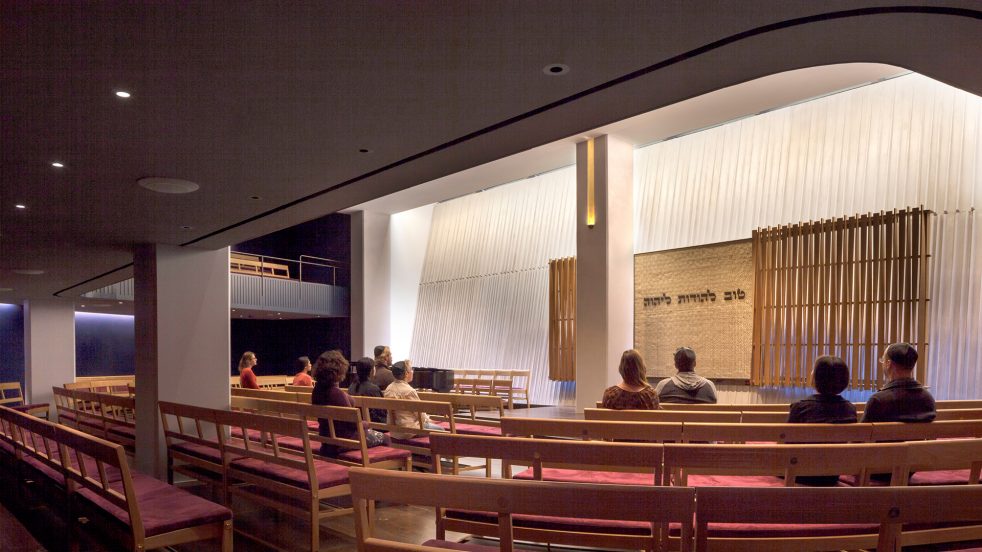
686,386
831,377
331,367
383,362
363,386
902,399
302,368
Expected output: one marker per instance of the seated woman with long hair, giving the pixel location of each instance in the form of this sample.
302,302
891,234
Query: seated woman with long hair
331,367
247,377
363,387
633,392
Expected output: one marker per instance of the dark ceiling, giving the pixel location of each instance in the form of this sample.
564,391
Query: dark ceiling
275,100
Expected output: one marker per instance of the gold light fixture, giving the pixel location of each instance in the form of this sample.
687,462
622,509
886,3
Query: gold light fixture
591,207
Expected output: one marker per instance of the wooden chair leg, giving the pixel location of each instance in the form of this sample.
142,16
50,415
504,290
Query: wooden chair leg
227,535
315,536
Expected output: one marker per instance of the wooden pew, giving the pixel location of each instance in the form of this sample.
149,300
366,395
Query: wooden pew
134,509
470,403
106,416
593,430
626,464
959,414
763,465
353,451
12,396
777,433
958,404
271,395
193,446
293,482
945,429
508,503
415,439
661,415
728,407
884,511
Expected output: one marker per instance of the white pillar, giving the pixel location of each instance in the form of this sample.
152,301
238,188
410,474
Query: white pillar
49,348
604,265
182,338
369,282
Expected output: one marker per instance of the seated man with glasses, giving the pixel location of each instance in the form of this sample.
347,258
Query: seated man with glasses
902,399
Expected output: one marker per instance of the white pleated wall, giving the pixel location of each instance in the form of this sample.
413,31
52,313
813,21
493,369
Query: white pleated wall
483,296
908,141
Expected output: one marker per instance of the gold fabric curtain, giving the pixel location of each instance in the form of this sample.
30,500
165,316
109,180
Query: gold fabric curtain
562,319
846,287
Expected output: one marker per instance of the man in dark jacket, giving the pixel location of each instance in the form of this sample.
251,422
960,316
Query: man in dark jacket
902,399
686,386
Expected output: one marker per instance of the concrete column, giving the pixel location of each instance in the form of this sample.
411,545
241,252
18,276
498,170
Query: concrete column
49,348
182,338
370,269
604,264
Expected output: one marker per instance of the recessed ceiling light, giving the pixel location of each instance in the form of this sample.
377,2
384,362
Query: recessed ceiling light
83,306
28,271
555,69
122,94
58,165
186,227
20,206
4,290
255,198
168,185
364,150
120,302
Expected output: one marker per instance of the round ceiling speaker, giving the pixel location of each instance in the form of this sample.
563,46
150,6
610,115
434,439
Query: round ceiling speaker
168,185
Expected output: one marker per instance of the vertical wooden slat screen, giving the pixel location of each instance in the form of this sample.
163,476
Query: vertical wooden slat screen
846,287
562,319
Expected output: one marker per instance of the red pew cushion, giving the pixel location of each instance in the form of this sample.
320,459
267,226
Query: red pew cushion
734,481
472,429
163,508
421,441
553,523
210,454
375,454
328,474
590,476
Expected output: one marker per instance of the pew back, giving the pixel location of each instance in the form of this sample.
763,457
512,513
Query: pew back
661,415
593,430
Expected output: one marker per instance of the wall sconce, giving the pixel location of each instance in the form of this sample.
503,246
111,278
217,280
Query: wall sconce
591,207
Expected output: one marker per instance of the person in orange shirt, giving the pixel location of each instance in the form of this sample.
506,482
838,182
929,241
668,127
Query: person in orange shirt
302,366
247,378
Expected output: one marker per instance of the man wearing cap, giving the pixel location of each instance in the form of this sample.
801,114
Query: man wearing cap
686,386
902,399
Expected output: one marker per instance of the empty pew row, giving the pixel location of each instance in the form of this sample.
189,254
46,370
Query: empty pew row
278,469
881,515
739,432
508,384
265,382
12,396
719,466
115,385
107,416
91,476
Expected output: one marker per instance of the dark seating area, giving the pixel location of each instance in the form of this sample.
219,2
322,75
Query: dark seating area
84,474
